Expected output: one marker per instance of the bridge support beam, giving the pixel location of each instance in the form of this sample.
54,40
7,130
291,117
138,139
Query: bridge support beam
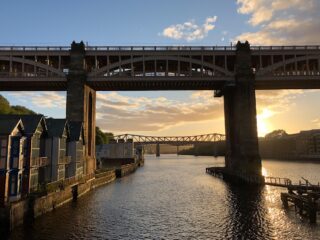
81,102
242,151
158,150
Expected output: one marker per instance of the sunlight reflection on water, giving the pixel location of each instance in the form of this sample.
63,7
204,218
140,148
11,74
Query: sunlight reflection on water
171,197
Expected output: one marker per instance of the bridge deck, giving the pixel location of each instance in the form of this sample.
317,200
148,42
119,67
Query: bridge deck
158,67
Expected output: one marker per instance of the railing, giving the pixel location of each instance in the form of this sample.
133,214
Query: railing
39,161
155,48
43,161
310,47
34,48
64,160
278,181
60,185
307,183
160,48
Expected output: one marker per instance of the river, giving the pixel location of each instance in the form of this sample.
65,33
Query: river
172,197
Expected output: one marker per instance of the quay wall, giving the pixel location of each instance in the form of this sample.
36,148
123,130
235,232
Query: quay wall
127,169
24,210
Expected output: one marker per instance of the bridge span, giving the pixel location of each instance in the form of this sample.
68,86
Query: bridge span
157,67
172,140
233,72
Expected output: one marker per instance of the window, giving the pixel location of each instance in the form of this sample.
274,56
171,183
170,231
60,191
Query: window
79,154
33,179
13,185
3,152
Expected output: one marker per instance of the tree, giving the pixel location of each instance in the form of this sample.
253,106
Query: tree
276,134
5,108
4,105
102,138
21,110
109,136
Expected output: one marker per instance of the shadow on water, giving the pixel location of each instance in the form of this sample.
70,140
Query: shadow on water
248,215
30,228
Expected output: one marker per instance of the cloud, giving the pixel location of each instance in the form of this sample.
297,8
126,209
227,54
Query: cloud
281,22
154,114
119,113
316,122
276,101
190,31
41,99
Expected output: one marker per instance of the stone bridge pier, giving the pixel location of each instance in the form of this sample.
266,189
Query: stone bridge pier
81,102
158,150
242,151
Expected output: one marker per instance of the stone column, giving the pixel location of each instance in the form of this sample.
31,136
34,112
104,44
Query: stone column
81,102
242,151
158,150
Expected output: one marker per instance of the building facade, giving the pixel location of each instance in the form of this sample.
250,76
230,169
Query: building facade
76,149
12,145
56,148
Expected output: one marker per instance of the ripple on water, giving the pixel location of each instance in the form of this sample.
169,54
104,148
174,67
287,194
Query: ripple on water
172,198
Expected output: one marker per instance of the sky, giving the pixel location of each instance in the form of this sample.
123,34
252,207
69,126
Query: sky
168,22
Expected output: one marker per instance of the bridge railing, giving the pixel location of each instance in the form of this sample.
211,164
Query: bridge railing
34,48
310,47
160,48
155,48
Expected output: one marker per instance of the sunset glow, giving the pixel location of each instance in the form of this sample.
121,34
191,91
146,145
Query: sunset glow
262,122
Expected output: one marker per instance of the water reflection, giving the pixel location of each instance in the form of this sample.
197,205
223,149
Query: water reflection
247,213
172,198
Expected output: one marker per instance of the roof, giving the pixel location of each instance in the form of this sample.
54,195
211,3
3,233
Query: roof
76,129
56,127
7,125
30,122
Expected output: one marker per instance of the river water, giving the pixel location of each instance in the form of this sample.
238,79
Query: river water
172,197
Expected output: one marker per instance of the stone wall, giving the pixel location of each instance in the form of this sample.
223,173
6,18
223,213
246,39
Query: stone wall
126,169
33,207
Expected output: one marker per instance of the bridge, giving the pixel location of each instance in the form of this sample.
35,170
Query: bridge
157,68
172,140
233,72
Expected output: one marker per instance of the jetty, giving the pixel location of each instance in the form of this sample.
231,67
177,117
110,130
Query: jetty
304,196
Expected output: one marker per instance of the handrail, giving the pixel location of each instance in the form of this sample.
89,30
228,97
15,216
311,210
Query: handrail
64,160
157,48
39,161
278,181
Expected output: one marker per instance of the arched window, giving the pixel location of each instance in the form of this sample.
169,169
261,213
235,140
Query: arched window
90,125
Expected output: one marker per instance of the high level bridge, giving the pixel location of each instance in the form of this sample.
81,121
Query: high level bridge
234,72
172,140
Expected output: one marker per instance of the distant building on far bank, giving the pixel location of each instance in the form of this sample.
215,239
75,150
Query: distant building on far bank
300,146
118,153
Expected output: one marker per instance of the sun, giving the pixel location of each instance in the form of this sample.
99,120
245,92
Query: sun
262,122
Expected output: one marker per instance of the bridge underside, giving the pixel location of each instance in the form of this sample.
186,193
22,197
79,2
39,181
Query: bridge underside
159,84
